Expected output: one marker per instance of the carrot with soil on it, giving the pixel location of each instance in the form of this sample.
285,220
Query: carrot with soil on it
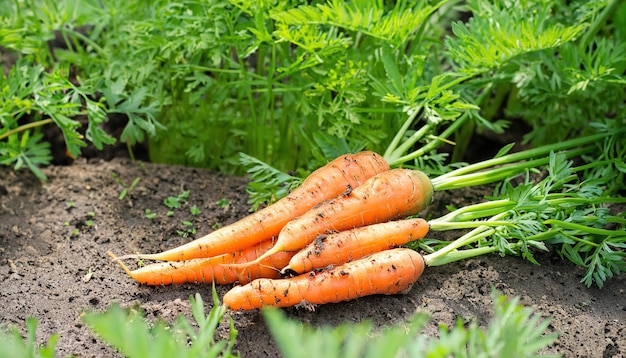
393,194
388,272
399,193
486,237
212,269
345,246
349,172
338,176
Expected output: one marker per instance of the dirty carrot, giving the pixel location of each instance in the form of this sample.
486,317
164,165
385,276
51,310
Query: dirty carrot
345,246
390,195
388,272
207,270
339,176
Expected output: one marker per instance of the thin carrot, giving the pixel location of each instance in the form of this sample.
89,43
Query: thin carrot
387,196
388,272
213,269
345,246
339,176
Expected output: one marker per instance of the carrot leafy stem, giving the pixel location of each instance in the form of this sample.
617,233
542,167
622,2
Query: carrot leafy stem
560,211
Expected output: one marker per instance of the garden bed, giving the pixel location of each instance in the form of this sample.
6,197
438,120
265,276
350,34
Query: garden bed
54,233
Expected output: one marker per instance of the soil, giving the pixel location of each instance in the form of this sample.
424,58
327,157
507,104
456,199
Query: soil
53,233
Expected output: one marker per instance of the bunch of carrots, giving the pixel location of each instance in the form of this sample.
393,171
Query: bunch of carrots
337,237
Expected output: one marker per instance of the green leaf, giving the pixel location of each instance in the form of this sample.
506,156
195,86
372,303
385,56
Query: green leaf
504,150
498,34
268,183
514,331
26,150
393,72
13,345
129,332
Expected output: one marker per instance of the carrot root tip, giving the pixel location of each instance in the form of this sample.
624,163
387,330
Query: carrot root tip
119,261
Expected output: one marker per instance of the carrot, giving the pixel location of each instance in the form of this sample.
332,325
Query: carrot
387,196
345,246
339,176
388,272
207,270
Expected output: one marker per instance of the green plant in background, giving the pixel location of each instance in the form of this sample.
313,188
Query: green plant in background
148,214
189,230
126,188
475,82
129,333
546,61
293,84
28,90
174,202
12,344
514,331
194,210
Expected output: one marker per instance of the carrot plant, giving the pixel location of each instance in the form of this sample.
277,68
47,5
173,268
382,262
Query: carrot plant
561,211
360,191
293,84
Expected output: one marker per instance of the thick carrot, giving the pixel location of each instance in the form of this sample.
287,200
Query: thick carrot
387,196
207,270
388,272
345,246
339,176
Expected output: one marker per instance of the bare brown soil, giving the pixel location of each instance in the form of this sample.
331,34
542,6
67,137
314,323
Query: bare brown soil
48,246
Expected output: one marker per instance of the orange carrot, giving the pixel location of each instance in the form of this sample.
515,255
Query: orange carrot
387,196
345,246
207,270
339,176
388,272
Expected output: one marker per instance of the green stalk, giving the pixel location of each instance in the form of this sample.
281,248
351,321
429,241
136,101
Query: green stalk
25,127
442,255
430,145
598,23
458,255
394,152
478,233
477,211
101,52
601,200
394,143
584,228
543,236
406,145
443,226
459,179
592,165
527,154
525,214
270,107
